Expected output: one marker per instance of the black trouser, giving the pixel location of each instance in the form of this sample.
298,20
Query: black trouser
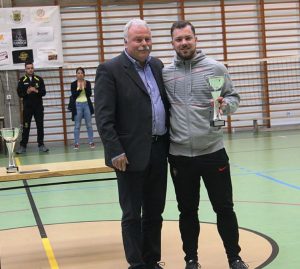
215,171
37,111
142,199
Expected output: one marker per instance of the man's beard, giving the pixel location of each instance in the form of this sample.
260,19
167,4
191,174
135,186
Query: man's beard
188,56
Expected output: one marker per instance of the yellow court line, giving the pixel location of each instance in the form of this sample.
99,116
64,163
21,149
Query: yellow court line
50,254
18,162
46,243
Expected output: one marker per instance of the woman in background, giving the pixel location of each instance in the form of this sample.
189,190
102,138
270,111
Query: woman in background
82,107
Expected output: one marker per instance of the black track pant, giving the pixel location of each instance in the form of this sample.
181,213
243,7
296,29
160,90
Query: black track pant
38,113
215,171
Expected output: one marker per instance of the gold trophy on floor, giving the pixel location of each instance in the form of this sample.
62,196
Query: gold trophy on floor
10,136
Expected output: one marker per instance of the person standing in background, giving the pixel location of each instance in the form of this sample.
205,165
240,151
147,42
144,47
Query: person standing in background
31,89
131,115
196,148
82,107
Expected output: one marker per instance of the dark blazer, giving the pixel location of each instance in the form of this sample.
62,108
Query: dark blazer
123,110
75,94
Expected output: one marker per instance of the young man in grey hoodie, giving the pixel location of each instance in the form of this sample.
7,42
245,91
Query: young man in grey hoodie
197,149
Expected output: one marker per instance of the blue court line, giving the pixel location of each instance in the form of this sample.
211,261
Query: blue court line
278,181
259,174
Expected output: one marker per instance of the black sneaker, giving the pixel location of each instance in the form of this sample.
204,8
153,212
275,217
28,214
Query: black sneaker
238,264
192,264
155,265
159,265
42,148
21,150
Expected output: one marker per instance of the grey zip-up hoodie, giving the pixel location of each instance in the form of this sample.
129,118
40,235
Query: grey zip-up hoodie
190,109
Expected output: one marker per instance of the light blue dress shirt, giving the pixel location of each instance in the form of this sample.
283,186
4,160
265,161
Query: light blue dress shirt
158,109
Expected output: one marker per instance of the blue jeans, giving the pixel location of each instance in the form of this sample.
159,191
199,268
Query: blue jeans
83,111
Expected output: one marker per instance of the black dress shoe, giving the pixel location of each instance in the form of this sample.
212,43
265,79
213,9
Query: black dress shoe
155,266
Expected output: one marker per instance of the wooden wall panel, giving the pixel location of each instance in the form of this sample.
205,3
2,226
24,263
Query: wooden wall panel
248,36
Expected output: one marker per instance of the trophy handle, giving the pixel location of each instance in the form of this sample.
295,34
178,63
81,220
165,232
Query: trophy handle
217,115
215,84
11,160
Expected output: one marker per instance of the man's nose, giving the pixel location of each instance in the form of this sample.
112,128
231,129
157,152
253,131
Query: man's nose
184,41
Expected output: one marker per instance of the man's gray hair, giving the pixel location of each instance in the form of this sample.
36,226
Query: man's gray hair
131,23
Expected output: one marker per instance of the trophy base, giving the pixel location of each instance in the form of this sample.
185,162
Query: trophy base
12,169
217,123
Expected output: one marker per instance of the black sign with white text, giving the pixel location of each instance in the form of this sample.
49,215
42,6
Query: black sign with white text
19,37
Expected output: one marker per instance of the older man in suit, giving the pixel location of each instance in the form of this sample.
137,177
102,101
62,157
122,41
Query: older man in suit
131,115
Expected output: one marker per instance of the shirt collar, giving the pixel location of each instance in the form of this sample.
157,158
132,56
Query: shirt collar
30,77
134,61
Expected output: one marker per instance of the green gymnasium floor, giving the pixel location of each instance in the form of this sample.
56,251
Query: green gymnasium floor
266,181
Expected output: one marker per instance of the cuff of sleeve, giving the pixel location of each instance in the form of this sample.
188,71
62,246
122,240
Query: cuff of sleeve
114,158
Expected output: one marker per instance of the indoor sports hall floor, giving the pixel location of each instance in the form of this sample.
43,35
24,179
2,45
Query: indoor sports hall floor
76,225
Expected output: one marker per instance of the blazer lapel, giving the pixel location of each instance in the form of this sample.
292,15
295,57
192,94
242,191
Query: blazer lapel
156,70
132,73
156,73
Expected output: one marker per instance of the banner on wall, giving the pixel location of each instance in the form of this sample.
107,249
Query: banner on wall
31,33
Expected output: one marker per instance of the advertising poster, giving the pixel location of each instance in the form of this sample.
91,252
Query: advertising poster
19,38
22,56
31,33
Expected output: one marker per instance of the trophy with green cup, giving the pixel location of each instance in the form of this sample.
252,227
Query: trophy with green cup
216,83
